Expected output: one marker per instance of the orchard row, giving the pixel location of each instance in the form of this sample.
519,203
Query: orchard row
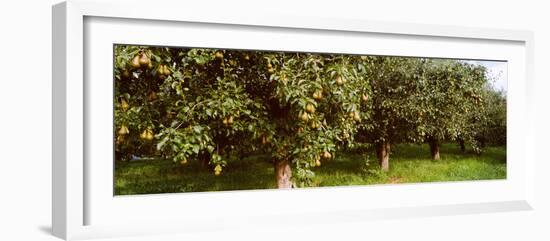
218,106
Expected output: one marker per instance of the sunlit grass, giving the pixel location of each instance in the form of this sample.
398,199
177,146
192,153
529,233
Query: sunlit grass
409,163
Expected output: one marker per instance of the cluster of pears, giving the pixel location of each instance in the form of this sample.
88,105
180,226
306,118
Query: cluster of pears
355,116
340,80
163,71
227,121
309,109
141,60
146,135
325,155
318,161
218,170
122,132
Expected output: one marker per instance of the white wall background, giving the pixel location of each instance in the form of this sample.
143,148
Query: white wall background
25,119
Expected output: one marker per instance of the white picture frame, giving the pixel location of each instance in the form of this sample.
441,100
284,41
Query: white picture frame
76,198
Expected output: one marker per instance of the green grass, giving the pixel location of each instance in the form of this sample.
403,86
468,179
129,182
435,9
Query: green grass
409,163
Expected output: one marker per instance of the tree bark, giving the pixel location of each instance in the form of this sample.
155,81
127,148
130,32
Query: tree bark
383,154
283,174
434,148
462,145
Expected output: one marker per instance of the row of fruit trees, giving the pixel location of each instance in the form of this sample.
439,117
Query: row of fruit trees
217,106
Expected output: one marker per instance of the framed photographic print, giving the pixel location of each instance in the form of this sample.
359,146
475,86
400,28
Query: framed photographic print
167,123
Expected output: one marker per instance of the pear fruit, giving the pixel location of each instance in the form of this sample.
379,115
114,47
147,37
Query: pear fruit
310,108
119,139
126,74
124,105
356,116
340,80
135,62
217,170
149,136
318,95
123,130
304,117
166,71
143,135
144,60
314,125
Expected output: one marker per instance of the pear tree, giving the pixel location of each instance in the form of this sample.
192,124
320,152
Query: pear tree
215,105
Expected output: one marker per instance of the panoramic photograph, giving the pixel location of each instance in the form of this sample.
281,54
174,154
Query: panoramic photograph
201,120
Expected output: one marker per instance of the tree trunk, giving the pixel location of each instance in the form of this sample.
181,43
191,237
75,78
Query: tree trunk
434,148
462,145
383,154
283,173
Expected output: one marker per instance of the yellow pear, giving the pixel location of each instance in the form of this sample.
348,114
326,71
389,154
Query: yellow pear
318,95
217,170
314,125
327,155
149,136
340,80
356,116
123,130
310,108
160,69
144,60
135,62
304,117
124,105
166,71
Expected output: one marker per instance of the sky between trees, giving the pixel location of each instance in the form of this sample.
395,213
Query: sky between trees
497,71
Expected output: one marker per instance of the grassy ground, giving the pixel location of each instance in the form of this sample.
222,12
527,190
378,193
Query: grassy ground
409,163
